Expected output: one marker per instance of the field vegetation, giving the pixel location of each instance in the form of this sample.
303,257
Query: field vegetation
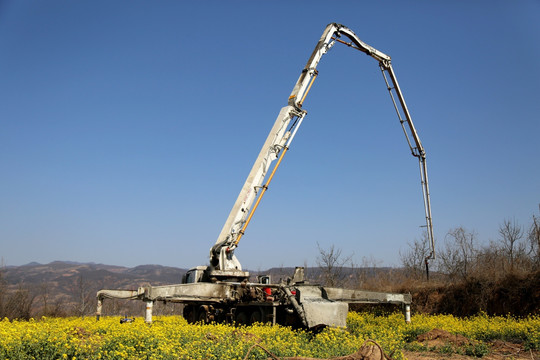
171,337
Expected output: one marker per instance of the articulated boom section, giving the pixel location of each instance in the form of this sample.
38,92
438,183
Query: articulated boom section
276,145
222,253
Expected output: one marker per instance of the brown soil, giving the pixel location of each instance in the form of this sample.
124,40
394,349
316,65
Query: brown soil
494,355
437,338
499,350
369,351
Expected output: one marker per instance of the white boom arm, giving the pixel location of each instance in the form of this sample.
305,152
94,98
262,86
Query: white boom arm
287,123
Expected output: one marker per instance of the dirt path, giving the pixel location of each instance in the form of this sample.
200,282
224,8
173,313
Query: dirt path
439,339
494,355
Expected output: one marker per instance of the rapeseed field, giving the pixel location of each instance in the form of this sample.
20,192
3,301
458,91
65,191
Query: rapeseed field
171,337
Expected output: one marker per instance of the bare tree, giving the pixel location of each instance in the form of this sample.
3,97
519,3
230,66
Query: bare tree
511,232
367,275
457,259
488,262
19,304
413,259
83,296
44,294
3,288
331,264
533,235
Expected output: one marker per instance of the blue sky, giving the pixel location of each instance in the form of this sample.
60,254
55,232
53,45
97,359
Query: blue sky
128,127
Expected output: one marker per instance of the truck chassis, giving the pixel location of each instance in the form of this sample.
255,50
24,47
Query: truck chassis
294,303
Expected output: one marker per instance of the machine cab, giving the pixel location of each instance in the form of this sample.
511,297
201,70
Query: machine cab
194,275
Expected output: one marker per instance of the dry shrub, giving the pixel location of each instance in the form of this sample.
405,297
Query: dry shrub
515,295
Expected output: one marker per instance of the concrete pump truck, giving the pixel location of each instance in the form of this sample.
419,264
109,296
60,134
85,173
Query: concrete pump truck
222,291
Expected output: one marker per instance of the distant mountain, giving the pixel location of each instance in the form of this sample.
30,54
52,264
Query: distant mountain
63,274
69,288
66,287
33,263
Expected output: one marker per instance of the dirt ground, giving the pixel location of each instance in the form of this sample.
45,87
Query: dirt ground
494,355
498,349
